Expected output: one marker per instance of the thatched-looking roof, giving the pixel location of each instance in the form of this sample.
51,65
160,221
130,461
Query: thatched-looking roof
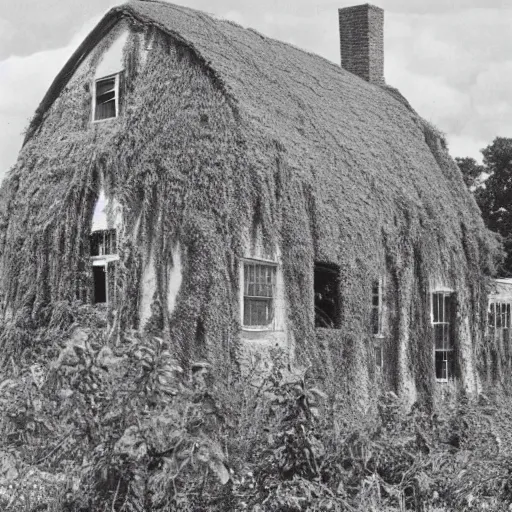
334,168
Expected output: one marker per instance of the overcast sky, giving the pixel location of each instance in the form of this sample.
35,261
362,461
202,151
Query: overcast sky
452,59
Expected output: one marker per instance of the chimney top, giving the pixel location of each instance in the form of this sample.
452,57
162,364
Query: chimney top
362,41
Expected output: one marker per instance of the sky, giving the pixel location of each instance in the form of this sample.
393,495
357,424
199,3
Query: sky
452,59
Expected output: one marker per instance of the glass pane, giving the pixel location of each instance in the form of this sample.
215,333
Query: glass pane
257,312
440,331
435,307
375,293
259,280
105,86
441,365
447,308
378,356
375,320
106,110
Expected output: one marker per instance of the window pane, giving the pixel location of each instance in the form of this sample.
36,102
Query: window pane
435,307
441,365
375,293
106,110
375,320
258,312
378,356
258,294
105,86
447,308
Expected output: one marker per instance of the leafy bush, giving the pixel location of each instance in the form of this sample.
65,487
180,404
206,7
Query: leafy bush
88,424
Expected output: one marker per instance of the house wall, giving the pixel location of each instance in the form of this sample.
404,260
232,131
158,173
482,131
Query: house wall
261,347
112,59
202,186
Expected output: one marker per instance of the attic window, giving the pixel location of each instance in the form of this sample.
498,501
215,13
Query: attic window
326,291
259,283
106,98
444,348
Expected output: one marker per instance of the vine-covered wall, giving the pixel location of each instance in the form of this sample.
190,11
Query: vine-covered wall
194,171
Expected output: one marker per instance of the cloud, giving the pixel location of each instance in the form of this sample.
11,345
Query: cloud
452,60
23,83
456,70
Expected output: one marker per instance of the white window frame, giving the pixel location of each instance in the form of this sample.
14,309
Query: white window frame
505,317
268,263
103,260
445,292
116,97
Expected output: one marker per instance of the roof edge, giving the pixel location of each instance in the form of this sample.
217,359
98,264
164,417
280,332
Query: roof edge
104,25
64,75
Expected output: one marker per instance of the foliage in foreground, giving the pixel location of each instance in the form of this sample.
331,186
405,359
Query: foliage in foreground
91,426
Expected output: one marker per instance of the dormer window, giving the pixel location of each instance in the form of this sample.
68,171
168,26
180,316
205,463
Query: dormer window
106,98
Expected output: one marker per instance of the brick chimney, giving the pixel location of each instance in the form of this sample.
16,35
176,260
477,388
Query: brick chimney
362,41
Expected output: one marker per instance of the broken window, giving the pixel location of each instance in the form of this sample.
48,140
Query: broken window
106,98
326,290
259,282
103,244
443,304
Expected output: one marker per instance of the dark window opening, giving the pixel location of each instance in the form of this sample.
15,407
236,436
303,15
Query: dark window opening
444,346
106,98
327,300
103,242
100,284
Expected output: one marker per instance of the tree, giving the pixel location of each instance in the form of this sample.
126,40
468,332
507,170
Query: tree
494,197
471,171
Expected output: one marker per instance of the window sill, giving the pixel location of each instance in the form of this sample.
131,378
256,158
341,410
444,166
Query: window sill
98,121
258,329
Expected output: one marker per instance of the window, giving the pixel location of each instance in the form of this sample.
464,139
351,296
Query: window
442,320
259,282
499,320
103,246
103,242
106,98
376,318
376,321
326,288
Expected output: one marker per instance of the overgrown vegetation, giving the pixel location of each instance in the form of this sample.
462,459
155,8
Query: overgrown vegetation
224,134
91,425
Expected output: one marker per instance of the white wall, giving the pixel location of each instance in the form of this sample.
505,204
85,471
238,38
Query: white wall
112,59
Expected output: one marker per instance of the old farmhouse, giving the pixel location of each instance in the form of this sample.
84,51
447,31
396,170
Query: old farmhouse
260,199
